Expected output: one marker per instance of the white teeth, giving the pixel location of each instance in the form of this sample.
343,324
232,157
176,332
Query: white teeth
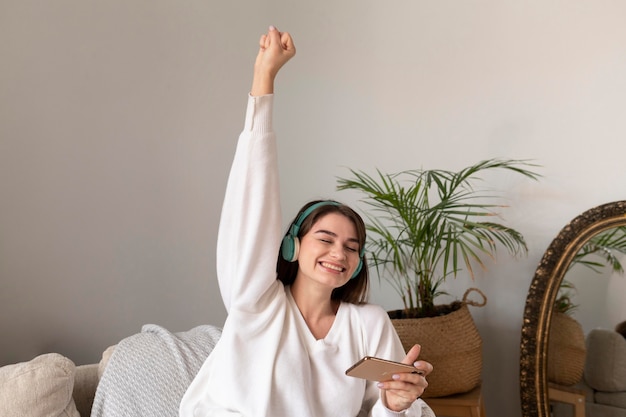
333,267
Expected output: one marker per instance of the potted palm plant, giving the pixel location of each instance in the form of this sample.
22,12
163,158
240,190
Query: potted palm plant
425,226
566,345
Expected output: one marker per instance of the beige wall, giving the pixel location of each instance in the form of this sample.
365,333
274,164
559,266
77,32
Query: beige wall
118,121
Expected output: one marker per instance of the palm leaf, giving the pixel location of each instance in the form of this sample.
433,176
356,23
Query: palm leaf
425,225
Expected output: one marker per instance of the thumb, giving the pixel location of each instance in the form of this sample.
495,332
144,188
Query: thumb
273,37
412,355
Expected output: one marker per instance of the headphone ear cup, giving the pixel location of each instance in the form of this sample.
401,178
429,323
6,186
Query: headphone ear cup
289,248
358,268
296,249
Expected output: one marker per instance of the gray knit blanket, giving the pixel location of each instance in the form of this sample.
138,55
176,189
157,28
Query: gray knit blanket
149,372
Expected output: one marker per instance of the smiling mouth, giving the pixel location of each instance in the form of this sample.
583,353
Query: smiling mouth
332,266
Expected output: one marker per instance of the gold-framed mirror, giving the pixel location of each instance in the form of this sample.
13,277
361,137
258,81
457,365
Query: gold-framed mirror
542,295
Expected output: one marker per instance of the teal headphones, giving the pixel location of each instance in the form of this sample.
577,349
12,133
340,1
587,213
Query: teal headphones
291,244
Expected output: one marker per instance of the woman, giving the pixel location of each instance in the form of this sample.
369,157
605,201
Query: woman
287,342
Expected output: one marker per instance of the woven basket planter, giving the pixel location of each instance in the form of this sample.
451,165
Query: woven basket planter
566,350
451,343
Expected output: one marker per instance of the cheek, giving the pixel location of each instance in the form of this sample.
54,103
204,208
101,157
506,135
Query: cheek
307,250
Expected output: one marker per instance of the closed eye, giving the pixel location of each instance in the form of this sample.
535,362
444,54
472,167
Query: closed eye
348,248
328,241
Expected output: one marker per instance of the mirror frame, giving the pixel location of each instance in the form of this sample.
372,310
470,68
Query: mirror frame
542,295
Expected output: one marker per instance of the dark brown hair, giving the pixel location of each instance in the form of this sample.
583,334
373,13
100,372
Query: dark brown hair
355,291
621,328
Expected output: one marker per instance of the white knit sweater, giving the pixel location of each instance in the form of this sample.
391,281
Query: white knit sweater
267,363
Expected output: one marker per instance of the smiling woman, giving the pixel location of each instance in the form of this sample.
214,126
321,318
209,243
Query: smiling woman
305,311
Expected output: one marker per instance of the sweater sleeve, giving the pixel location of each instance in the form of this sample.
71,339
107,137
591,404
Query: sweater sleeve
250,225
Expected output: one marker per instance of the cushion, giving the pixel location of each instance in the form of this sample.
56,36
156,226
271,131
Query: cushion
41,387
605,367
148,373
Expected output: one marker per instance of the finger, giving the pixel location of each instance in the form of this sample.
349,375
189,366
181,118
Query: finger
262,41
423,368
404,379
413,378
412,355
286,41
273,36
405,390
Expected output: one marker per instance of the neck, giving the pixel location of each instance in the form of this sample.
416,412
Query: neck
313,300
316,307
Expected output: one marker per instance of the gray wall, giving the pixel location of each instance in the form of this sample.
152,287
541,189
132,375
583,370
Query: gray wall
118,122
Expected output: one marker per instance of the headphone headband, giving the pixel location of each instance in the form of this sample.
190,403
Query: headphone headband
295,227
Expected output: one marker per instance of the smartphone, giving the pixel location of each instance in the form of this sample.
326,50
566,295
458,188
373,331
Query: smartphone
376,369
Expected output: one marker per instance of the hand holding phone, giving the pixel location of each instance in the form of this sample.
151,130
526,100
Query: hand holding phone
377,369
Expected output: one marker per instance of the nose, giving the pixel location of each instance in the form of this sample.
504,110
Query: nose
338,251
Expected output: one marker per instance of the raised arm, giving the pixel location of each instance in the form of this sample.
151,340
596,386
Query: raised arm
250,226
